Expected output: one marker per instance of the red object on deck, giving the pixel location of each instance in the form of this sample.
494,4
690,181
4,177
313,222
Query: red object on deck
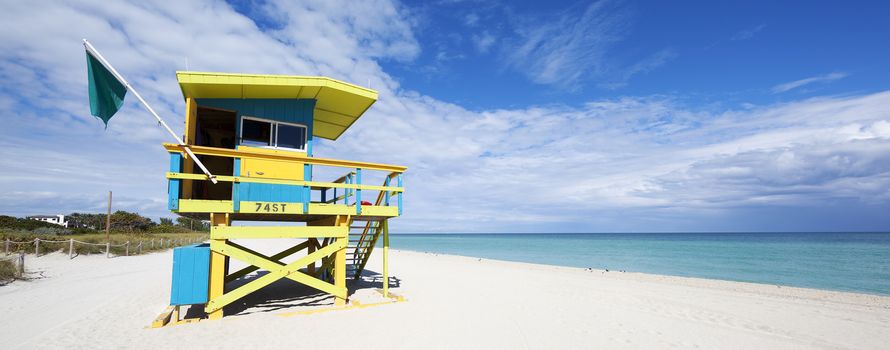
366,203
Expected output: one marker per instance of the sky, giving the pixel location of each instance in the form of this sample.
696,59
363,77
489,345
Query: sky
519,116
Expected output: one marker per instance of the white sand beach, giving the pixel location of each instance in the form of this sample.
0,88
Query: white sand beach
452,303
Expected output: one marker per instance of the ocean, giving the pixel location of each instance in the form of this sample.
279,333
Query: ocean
854,262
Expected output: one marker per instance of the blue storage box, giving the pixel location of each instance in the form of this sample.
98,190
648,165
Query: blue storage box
191,274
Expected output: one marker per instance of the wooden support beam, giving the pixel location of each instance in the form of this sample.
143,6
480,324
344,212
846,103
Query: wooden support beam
233,232
385,258
217,265
340,260
164,318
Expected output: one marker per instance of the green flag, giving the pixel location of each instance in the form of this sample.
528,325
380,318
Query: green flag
106,92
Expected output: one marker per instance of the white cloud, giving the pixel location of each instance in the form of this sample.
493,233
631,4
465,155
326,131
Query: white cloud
747,33
484,41
569,50
471,19
563,50
825,78
613,164
642,67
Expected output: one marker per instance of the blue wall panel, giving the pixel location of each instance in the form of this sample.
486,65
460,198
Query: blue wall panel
258,192
280,109
191,275
173,184
298,111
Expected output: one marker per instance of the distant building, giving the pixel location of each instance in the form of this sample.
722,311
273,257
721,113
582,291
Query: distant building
53,219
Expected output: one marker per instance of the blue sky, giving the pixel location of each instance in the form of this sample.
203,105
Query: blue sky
557,116
705,52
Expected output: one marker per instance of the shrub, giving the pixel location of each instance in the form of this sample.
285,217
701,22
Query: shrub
168,229
8,270
56,231
14,223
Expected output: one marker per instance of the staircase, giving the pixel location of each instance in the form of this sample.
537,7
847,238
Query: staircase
363,236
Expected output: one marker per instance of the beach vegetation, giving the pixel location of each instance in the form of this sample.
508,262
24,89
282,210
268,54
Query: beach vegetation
8,271
88,233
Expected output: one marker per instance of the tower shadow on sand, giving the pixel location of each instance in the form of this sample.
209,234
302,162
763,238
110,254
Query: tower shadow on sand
286,294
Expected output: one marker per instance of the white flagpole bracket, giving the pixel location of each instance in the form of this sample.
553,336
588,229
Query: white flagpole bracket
92,50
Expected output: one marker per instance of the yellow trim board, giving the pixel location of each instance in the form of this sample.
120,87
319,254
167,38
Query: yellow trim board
214,206
252,207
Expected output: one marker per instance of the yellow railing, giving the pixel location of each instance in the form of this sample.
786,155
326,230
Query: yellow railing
297,157
351,182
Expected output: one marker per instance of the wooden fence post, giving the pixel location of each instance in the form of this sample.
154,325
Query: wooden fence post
21,268
140,247
152,243
71,248
37,247
7,246
107,249
127,252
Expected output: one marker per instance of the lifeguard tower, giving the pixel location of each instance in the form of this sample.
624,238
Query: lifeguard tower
255,134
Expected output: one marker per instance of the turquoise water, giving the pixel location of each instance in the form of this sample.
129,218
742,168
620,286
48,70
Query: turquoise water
857,262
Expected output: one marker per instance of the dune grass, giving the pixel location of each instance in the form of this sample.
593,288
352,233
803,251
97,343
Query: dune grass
51,243
8,270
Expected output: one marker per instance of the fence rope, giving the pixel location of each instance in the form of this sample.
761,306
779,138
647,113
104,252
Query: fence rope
25,242
81,242
139,245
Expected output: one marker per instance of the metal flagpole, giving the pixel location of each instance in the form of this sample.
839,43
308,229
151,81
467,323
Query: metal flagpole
92,50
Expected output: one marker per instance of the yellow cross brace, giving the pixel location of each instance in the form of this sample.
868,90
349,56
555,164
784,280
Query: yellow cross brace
277,270
281,255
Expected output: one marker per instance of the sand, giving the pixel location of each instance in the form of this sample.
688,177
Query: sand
452,303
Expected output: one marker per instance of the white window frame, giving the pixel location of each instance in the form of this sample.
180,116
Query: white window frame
273,133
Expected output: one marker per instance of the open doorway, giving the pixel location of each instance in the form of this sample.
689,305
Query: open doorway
215,128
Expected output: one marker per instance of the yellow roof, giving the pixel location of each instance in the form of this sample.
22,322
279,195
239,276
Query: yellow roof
338,104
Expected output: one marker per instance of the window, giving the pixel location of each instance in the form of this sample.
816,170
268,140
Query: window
272,134
256,133
291,136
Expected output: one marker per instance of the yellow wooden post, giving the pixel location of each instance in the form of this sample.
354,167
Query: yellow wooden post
191,122
340,263
385,258
217,266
